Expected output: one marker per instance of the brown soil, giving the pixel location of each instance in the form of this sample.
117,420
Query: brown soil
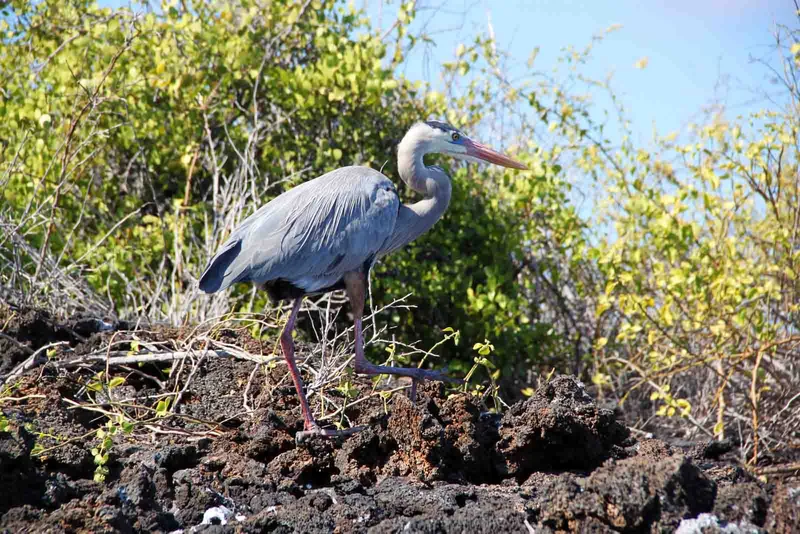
554,463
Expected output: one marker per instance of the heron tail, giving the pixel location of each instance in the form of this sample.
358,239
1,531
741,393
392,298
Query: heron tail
217,276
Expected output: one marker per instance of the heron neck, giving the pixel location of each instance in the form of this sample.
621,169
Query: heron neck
415,219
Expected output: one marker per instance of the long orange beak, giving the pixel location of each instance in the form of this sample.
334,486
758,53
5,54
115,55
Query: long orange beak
482,152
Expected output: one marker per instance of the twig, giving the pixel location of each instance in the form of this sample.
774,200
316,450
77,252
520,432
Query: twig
689,417
32,361
359,401
779,469
528,526
639,432
20,399
245,403
787,405
129,403
123,358
105,236
143,375
67,155
177,432
195,367
754,395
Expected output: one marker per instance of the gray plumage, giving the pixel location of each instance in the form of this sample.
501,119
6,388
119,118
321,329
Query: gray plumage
327,233
306,240
311,235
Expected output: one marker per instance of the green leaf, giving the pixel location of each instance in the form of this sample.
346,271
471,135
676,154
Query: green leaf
115,382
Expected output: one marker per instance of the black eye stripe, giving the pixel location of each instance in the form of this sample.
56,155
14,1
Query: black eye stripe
443,126
439,125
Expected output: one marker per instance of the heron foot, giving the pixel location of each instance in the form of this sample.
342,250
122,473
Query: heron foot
315,430
414,373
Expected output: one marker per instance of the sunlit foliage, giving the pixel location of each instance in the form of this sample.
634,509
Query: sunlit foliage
131,143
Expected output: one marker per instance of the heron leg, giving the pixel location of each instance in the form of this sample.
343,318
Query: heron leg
287,345
310,426
355,284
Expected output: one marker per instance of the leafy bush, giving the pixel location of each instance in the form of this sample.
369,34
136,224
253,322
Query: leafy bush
698,300
132,143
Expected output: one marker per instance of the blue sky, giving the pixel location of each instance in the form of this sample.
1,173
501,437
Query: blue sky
699,51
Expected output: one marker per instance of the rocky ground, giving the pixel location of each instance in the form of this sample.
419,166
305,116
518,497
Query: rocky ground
221,456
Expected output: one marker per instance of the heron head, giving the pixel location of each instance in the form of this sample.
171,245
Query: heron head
446,139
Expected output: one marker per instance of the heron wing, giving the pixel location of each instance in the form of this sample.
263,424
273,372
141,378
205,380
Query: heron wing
311,235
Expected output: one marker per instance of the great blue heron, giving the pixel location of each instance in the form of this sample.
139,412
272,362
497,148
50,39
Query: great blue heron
327,233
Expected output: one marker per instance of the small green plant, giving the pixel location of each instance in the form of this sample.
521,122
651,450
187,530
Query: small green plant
99,383
9,389
100,454
670,406
39,449
162,407
394,357
134,348
481,360
347,389
106,434
385,396
450,333
115,425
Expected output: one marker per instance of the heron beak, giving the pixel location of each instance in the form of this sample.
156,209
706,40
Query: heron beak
484,153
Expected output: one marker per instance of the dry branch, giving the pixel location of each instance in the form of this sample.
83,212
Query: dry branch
123,358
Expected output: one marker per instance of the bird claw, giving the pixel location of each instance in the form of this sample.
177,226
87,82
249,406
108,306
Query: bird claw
305,435
414,373
438,376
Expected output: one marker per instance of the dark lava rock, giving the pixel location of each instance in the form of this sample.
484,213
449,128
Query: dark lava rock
175,457
15,448
557,462
471,435
740,496
20,482
420,445
449,440
632,495
784,515
559,427
269,439
28,329
361,459
312,465
747,501
715,448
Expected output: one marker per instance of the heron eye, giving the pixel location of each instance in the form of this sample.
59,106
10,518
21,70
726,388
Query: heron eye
455,136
